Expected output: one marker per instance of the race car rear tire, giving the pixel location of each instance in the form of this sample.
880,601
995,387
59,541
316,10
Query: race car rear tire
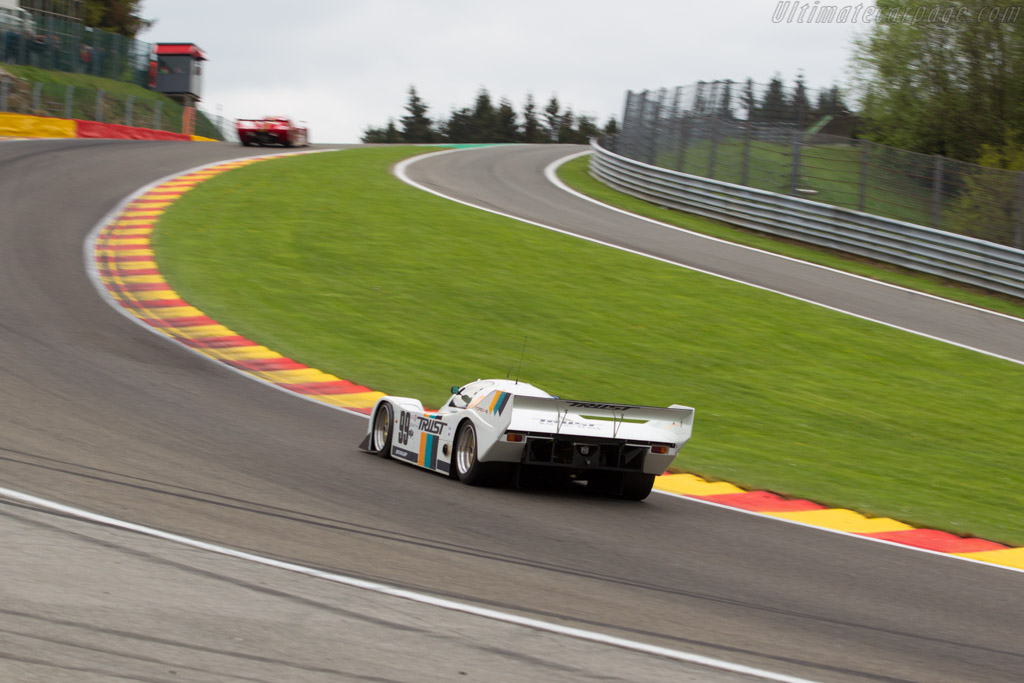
626,485
636,485
383,430
468,467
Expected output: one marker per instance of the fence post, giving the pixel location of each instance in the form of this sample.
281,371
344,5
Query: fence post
713,155
862,193
652,156
69,98
794,173
98,113
129,110
3,94
745,170
1018,237
937,193
37,97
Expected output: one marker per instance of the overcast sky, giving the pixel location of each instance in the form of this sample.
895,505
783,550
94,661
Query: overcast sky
343,65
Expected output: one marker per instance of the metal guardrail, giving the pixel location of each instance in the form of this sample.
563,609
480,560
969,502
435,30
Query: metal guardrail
956,257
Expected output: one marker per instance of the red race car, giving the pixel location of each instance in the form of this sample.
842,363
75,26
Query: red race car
272,130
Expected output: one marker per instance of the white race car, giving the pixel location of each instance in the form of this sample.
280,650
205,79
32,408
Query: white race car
492,428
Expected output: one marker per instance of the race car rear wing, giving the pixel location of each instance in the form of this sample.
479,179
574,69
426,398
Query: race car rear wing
602,420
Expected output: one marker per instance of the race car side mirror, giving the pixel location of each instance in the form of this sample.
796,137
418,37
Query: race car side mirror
455,389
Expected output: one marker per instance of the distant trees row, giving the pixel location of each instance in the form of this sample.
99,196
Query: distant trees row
485,122
774,103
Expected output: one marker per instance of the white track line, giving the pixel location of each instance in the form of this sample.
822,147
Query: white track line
401,172
549,172
92,268
422,598
93,271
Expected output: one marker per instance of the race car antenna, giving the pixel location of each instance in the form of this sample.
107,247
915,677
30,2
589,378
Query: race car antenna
521,356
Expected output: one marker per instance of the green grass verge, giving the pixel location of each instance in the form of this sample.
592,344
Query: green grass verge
330,260
575,174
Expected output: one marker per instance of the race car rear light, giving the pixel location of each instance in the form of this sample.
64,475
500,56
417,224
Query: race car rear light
659,449
514,438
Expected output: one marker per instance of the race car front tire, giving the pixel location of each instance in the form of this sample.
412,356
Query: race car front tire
383,428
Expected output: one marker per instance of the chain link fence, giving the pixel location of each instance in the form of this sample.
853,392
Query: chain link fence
49,41
799,142
70,102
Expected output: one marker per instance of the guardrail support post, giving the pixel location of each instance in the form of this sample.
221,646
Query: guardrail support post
156,115
937,193
3,94
69,99
37,97
98,114
129,110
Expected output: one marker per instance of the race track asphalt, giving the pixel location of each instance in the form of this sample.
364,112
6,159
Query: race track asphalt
99,413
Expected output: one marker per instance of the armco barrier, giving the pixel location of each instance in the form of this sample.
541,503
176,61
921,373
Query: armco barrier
26,126
956,257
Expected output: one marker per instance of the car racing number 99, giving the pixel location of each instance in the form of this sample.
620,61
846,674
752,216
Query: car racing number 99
419,440
404,428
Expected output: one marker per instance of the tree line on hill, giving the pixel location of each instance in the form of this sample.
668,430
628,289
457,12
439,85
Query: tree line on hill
485,122
758,103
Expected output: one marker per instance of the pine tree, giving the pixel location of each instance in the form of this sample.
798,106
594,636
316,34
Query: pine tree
416,126
799,105
553,119
567,132
773,106
532,132
485,118
586,129
506,128
725,102
611,128
830,101
749,100
459,126
388,134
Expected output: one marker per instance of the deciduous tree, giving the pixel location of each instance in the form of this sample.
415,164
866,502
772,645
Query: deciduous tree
116,16
948,82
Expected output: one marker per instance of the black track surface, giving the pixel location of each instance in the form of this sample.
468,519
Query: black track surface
97,412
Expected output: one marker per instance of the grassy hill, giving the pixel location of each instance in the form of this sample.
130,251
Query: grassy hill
120,102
